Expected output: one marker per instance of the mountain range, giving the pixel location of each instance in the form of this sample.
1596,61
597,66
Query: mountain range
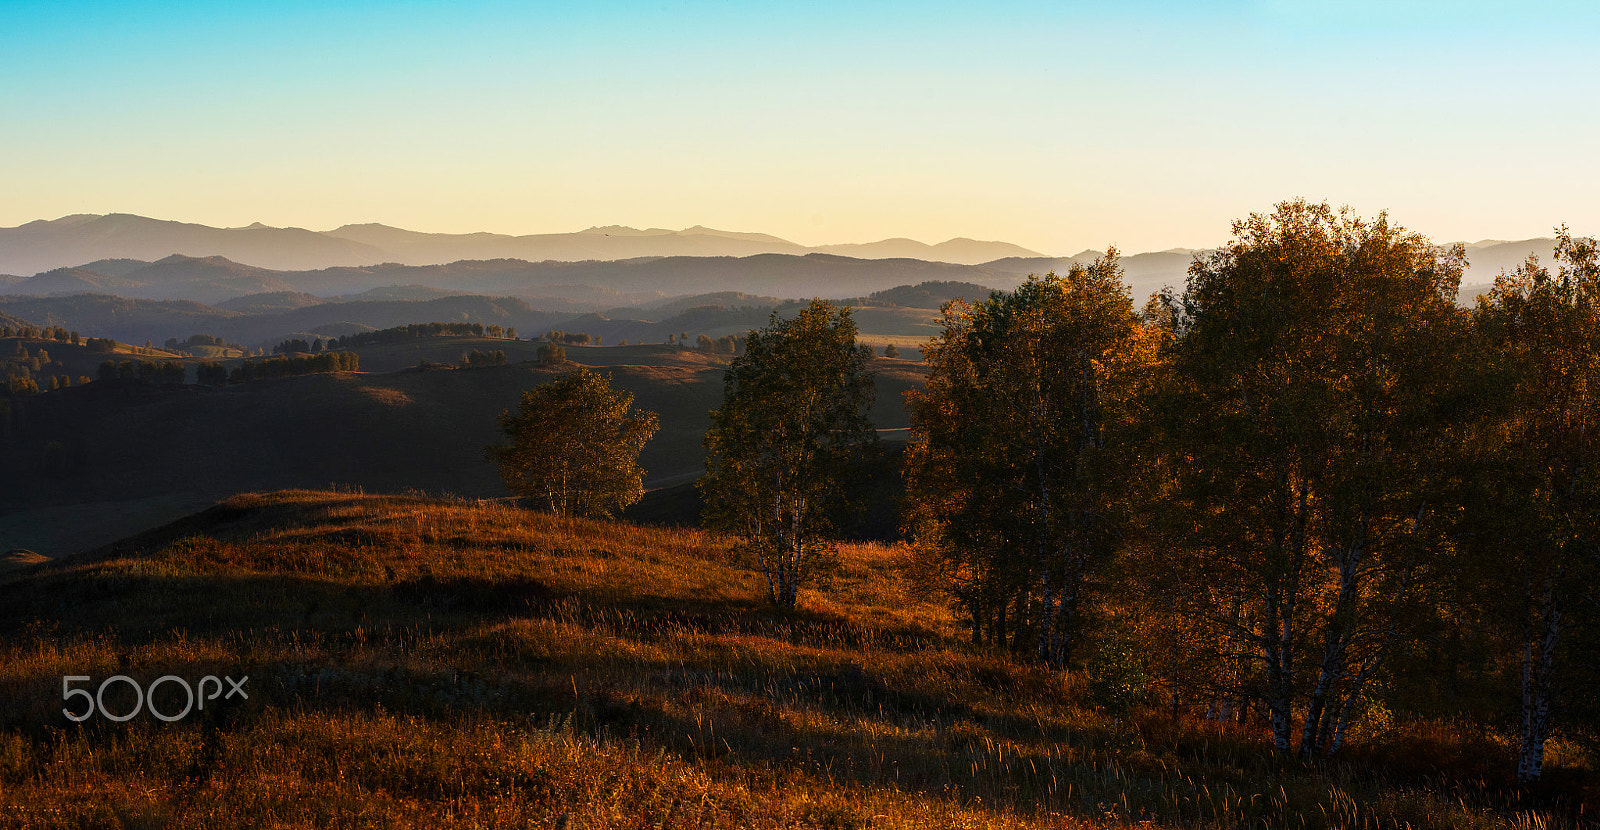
136,256
585,285
45,245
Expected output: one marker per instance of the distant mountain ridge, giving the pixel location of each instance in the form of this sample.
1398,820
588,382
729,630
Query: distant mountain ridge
595,284
593,269
70,241
73,240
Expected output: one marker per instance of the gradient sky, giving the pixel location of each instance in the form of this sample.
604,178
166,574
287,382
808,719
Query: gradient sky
1058,126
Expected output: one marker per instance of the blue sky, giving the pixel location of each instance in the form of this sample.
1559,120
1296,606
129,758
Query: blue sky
1058,126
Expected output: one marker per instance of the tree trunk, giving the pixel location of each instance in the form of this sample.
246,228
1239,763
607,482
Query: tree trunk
1336,647
1047,617
1540,633
1280,671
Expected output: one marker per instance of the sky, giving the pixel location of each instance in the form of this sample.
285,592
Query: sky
1058,126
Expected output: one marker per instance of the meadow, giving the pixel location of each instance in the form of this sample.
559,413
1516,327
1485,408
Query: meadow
423,662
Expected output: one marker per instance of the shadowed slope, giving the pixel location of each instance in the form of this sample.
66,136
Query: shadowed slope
131,453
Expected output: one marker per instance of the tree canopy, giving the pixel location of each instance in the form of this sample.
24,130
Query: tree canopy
791,429
1009,493
573,446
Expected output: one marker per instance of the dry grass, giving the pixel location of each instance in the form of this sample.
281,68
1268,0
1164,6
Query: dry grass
417,662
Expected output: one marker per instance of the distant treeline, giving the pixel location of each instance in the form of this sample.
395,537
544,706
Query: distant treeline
216,374
25,372
61,335
402,334
211,373
569,338
477,359
730,344
55,333
298,346
143,371
196,340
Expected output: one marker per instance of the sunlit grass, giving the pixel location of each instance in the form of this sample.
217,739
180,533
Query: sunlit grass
417,662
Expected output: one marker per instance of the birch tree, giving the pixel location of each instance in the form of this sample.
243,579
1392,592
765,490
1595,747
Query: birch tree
1540,536
1010,495
1304,421
791,431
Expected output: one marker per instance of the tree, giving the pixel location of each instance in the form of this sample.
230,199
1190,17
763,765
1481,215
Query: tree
1010,497
211,373
791,429
552,354
573,446
1537,525
1302,424
890,351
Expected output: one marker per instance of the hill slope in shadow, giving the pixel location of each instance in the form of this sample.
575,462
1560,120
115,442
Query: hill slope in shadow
98,461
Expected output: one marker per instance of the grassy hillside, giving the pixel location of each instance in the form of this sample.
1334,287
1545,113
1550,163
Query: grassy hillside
127,458
424,663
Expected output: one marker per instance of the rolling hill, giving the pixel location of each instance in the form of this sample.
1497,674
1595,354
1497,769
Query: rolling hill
929,295
11,321
261,320
64,281
137,454
204,280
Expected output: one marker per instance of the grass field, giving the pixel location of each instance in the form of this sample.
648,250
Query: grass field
428,663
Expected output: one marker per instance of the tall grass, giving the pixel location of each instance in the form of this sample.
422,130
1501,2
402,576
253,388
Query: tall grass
424,662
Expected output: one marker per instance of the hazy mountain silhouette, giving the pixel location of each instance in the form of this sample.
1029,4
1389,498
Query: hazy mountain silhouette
607,243
715,298
76,281
1144,273
593,269
1491,256
271,302
123,318
115,267
959,250
71,240
9,321
84,238
590,285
